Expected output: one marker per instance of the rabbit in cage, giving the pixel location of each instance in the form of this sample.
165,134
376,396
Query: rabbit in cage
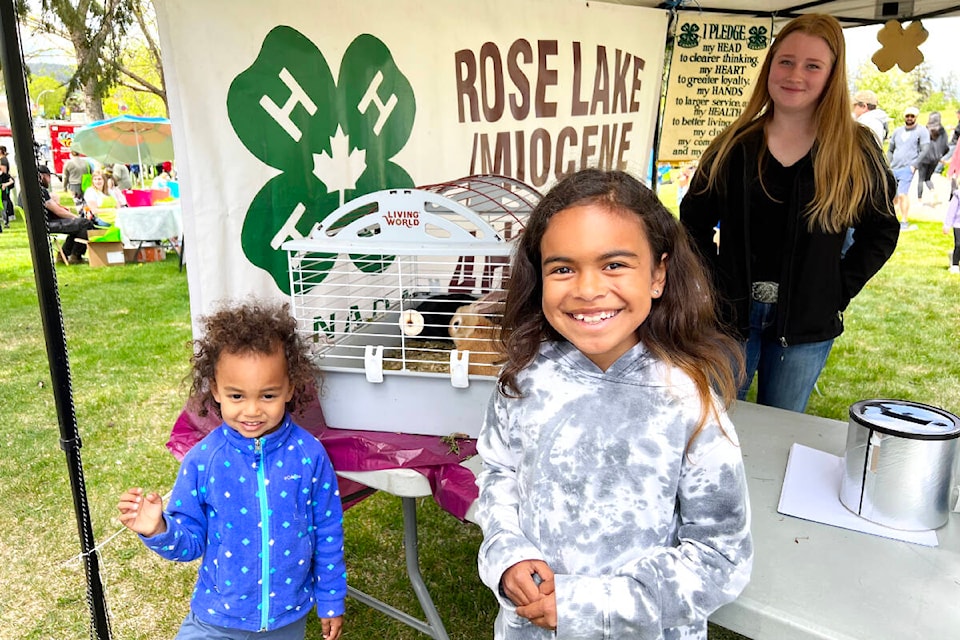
475,328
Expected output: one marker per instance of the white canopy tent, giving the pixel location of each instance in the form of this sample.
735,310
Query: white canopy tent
850,13
225,157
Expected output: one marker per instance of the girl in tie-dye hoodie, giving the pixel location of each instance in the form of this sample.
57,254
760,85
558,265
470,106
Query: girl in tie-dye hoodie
612,500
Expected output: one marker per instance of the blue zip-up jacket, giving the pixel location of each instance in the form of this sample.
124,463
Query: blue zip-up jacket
229,491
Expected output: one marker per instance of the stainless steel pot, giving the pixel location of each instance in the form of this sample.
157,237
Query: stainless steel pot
897,463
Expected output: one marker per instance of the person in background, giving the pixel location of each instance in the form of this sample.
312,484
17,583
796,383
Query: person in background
6,187
950,157
93,199
786,180
256,500
62,220
951,220
951,224
907,146
96,193
931,155
73,171
613,500
114,191
122,176
683,180
161,179
866,112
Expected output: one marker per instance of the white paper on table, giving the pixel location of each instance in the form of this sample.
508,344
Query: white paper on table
811,490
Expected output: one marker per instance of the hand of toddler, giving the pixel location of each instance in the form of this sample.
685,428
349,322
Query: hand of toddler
331,627
141,513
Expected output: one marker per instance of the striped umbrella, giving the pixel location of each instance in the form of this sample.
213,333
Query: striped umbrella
127,139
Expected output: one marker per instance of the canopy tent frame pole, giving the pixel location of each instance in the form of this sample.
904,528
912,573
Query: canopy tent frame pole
136,135
50,310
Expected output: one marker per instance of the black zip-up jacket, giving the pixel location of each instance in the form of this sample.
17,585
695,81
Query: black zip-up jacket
816,284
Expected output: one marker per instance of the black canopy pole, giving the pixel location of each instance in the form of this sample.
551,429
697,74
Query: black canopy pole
50,311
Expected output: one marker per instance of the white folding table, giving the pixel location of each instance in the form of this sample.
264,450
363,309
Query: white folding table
814,581
810,581
408,485
150,224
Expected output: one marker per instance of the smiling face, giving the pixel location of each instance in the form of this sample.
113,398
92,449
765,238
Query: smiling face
799,73
97,181
253,390
599,279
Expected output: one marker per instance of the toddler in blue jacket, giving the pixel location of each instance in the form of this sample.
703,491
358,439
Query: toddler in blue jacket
257,498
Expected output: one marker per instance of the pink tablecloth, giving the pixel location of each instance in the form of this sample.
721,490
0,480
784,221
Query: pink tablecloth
453,486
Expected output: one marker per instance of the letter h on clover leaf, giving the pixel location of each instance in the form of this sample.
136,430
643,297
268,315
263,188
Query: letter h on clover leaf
331,140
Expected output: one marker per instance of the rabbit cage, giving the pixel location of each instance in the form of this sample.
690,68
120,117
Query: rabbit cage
401,293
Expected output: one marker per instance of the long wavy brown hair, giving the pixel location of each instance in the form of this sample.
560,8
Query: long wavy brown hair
844,179
251,328
682,328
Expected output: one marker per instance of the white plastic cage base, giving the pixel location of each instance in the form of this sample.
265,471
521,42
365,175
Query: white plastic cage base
401,293
399,350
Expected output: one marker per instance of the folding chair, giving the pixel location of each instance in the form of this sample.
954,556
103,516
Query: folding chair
56,247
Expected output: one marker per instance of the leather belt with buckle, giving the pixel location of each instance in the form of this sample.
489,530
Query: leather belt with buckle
766,292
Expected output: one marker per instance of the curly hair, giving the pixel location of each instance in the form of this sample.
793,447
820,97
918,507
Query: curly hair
682,328
251,328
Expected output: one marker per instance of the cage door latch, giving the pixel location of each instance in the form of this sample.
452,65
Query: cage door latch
459,366
373,362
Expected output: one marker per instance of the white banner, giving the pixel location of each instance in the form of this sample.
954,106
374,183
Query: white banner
282,112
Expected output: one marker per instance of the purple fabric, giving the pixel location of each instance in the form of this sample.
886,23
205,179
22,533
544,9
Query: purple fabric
952,218
453,486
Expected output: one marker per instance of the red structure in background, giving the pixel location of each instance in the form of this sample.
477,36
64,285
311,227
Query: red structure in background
61,137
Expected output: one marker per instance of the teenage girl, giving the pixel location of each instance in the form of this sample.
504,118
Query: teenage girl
612,500
257,498
785,182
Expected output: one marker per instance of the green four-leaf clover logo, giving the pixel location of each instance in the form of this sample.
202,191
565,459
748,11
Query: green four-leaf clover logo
331,141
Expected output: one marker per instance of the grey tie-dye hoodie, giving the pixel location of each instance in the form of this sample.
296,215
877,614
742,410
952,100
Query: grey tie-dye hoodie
589,472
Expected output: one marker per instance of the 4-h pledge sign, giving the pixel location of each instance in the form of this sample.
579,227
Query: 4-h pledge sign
714,65
281,117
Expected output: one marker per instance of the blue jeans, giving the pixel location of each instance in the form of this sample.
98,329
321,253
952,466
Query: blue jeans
785,375
195,629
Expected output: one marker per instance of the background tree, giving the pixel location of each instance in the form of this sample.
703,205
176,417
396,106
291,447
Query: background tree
922,79
950,86
141,85
96,31
49,93
937,101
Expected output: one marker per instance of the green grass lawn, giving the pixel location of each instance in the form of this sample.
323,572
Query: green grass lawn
127,328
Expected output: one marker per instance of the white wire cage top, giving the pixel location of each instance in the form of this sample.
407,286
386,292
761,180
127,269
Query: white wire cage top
500,200
477,214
